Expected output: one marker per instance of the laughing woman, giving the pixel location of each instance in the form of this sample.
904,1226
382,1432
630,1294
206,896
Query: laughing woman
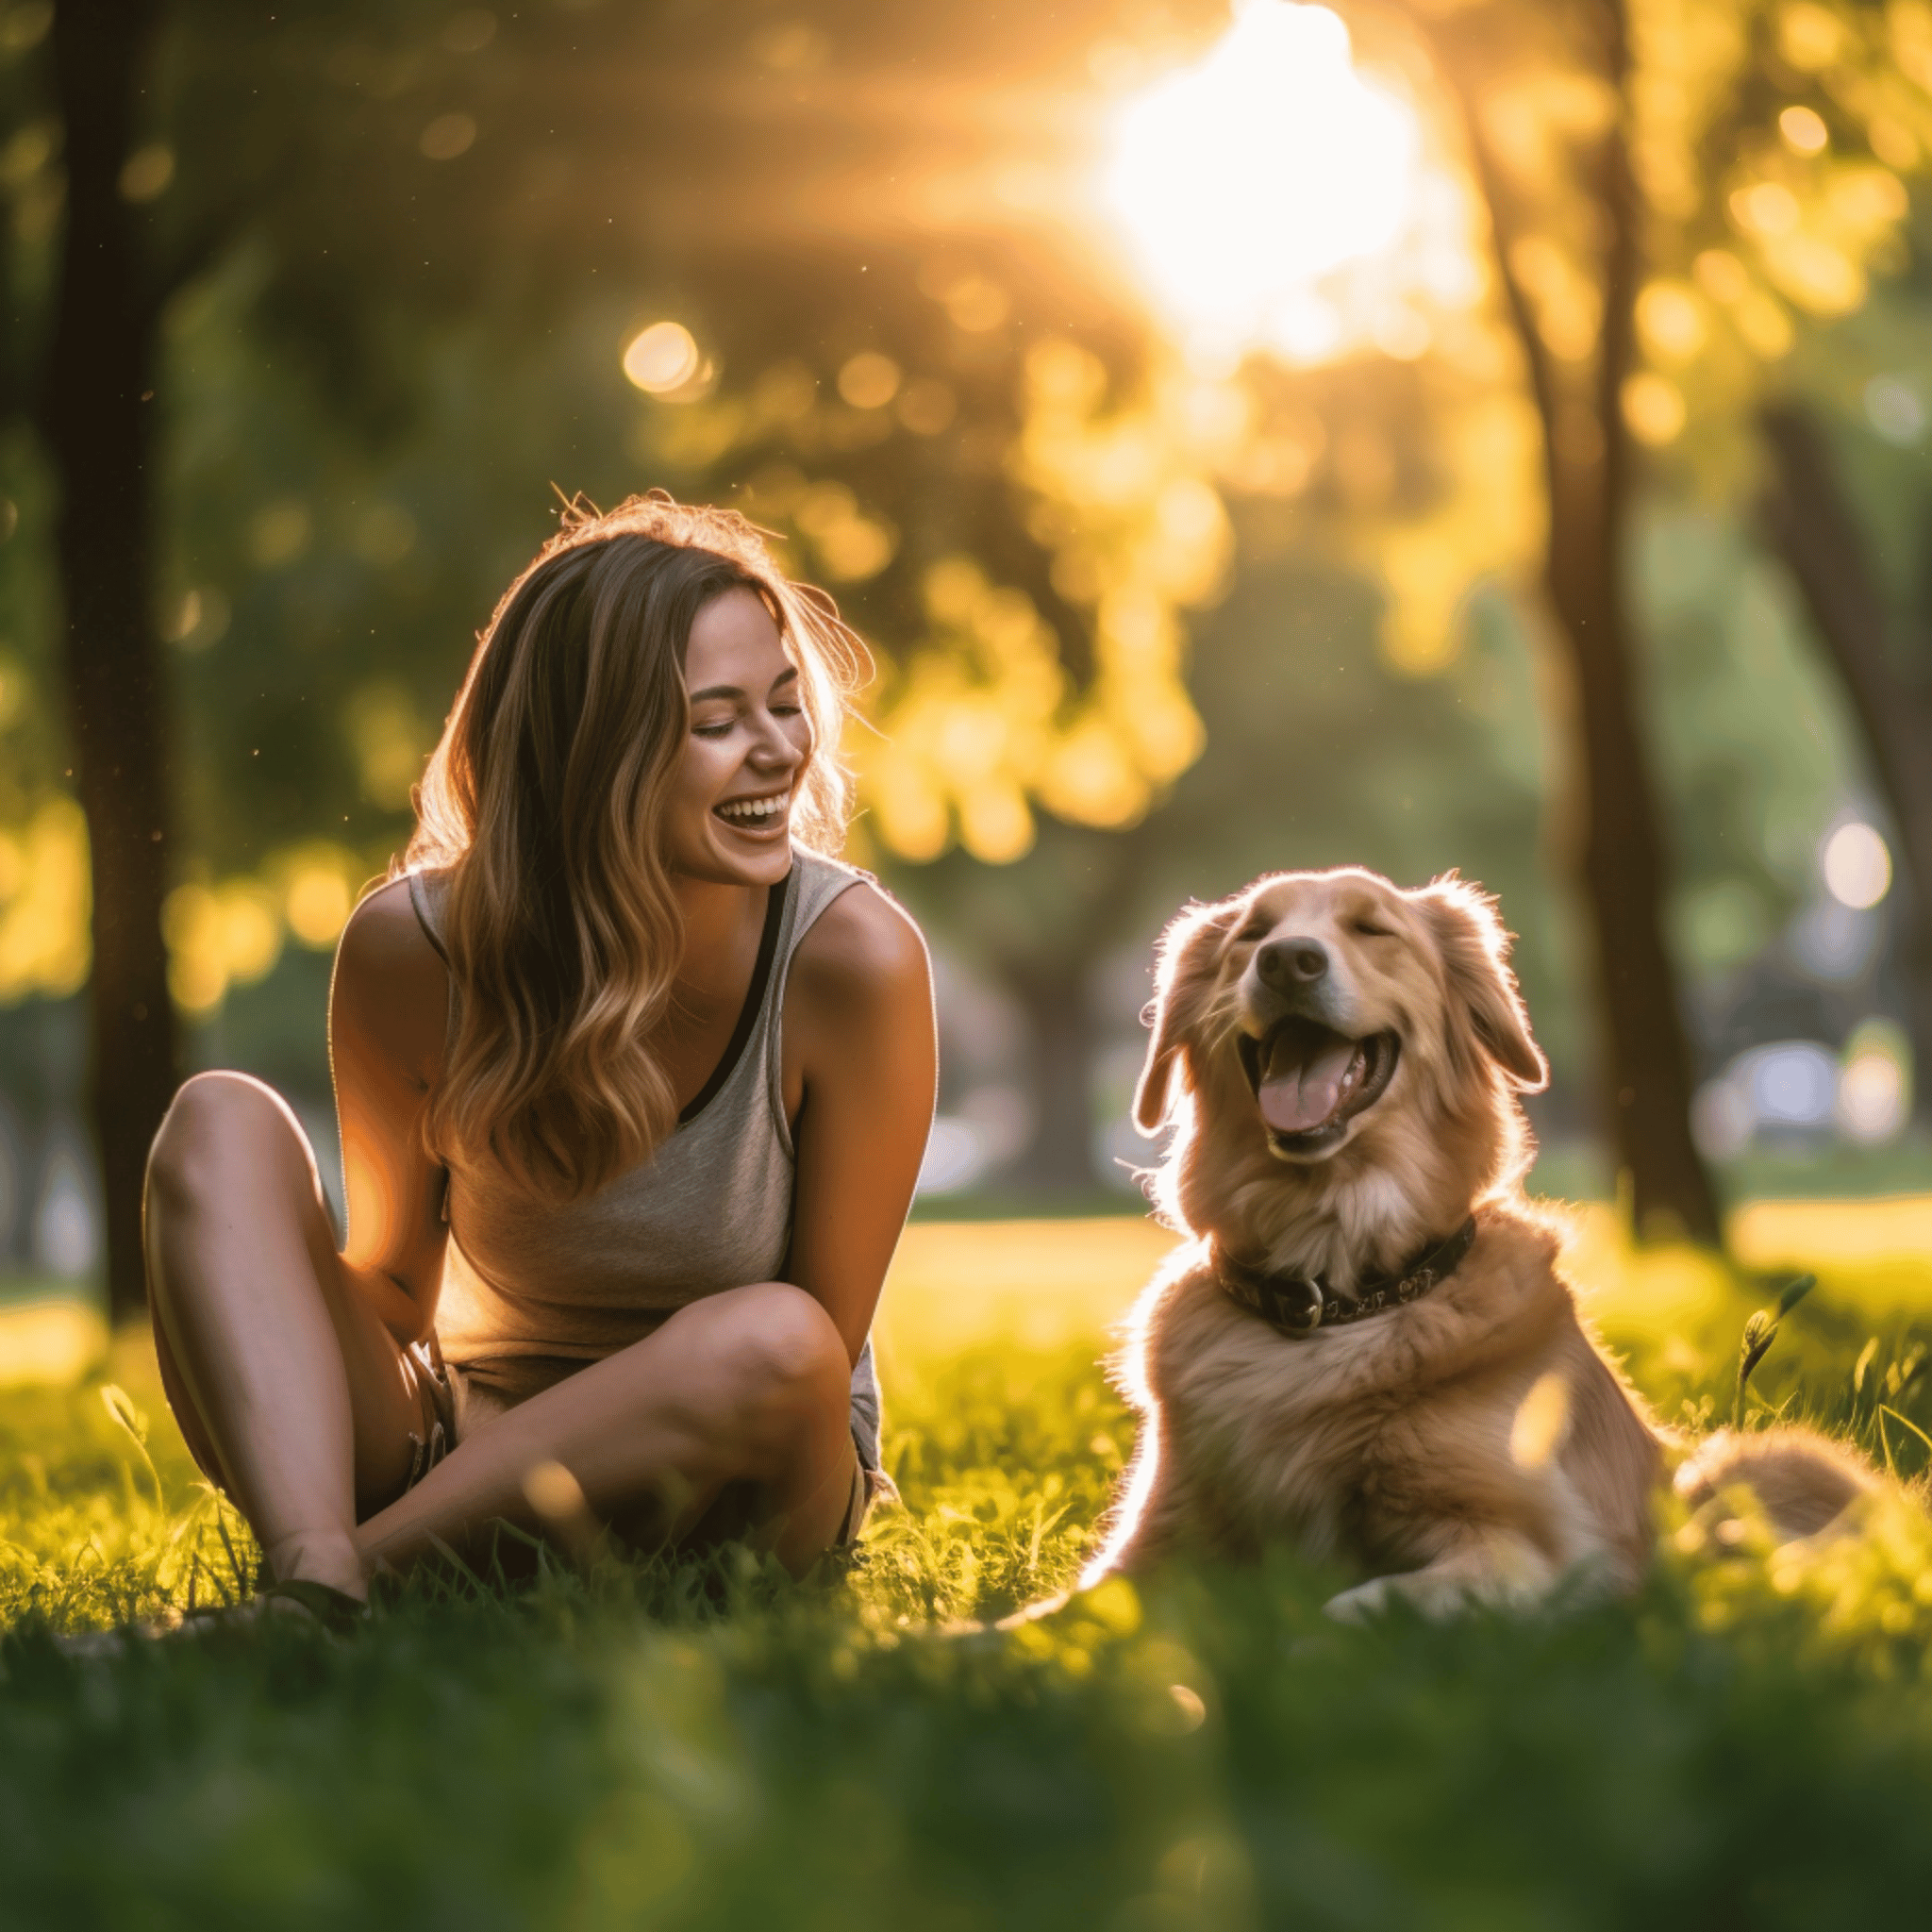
633,1081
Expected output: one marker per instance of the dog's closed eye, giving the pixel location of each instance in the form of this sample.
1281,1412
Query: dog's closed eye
1368,929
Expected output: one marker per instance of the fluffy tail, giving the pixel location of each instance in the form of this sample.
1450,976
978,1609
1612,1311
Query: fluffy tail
1803,1481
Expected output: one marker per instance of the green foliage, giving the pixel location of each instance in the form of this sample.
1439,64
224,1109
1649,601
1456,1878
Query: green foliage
709,1745
1760,1331
1753,740
380,345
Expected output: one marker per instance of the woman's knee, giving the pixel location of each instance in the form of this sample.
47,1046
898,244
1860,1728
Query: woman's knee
219,1126
784,1364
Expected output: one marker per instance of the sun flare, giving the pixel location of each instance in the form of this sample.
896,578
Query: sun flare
1246,182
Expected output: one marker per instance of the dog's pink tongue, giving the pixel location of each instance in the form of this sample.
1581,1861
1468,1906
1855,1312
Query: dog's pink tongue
1304,1096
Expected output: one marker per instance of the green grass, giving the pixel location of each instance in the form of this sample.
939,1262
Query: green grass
1749,1742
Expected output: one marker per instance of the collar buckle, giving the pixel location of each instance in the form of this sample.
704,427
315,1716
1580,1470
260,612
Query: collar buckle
1297,1305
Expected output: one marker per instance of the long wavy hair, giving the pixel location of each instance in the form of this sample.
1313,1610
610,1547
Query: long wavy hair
544,806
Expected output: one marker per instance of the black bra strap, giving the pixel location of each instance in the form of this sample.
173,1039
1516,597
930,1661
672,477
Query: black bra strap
754,1001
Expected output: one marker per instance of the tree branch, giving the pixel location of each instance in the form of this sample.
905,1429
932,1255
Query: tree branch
1535,352
1622,257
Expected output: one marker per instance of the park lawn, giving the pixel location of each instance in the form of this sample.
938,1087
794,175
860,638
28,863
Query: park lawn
1749,1742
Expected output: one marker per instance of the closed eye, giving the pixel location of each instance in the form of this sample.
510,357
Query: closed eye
1255,929
1370,930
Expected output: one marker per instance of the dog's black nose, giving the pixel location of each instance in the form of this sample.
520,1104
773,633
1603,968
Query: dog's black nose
1287,964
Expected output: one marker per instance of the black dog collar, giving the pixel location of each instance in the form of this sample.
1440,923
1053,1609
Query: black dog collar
1298,1304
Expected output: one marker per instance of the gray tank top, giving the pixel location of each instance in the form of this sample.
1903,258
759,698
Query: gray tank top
711,1210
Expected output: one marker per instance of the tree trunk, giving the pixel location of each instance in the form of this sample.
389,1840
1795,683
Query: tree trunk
1647,1073
1651,1079
1808,520
95,418
1060,1158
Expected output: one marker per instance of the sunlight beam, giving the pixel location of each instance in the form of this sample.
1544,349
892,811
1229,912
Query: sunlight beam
1244,181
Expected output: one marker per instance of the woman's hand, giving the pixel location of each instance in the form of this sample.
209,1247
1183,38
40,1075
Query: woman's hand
861,1070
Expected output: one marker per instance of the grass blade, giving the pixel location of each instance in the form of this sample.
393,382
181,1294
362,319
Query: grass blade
1760,1331
119,1406
1906,1423
1795,1290
1862,1367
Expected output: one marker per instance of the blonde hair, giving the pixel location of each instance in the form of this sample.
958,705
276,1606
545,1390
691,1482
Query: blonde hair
543,803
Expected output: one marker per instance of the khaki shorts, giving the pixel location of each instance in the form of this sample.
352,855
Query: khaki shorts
459,1397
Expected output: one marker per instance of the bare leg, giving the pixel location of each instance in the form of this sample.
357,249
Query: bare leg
299,1401
753,1383
293,1394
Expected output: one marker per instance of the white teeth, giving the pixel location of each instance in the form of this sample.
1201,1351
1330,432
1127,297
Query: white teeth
756,812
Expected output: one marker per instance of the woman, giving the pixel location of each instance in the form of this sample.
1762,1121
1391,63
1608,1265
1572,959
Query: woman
633,1082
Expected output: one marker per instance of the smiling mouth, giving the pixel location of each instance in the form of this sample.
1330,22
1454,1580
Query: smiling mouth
1310,1081
755,814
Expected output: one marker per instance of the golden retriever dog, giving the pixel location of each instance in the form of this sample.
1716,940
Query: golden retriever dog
1366,1348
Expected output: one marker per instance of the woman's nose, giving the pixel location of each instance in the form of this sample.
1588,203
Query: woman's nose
774,744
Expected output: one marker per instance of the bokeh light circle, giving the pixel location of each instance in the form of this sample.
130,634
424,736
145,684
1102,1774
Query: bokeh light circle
662,357
1874,1098
1858,865
868,380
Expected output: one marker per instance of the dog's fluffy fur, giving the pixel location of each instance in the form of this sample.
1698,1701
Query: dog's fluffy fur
1474,1443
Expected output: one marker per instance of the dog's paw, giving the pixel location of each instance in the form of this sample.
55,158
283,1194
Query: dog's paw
1437,1599
1445,1590
1362,1603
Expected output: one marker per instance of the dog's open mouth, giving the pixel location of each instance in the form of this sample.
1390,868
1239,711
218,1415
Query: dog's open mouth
1310,1082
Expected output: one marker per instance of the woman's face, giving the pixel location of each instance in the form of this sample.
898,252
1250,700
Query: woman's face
730,810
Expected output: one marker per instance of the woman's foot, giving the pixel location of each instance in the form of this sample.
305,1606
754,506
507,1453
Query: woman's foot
328,1558
335,1610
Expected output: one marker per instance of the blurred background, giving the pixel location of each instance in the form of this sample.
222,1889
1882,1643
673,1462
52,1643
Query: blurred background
1486,434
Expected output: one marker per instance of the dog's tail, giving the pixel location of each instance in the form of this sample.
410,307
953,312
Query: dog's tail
1803,1481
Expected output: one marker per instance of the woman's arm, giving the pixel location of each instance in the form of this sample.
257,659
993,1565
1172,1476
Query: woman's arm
860,1072
389,1007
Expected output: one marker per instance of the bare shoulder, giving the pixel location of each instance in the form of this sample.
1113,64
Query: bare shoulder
390,984
384,938
862,952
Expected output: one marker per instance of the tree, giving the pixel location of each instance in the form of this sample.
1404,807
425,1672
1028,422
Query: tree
1590,477
1811,521
95,414
88,381
328,157
1663,182
951,411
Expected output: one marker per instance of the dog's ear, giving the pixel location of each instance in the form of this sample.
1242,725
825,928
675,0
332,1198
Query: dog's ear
1482,989
1183,980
